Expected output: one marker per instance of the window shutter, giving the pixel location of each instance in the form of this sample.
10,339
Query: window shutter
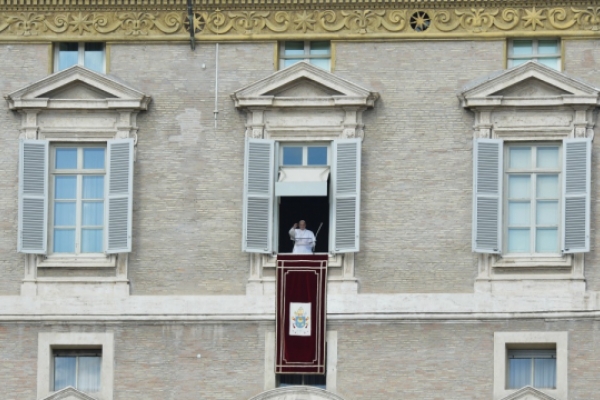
119,198
487,196
33,196
577,156
346,195
259,174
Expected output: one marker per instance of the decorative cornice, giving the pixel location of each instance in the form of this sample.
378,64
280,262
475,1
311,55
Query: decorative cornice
238,20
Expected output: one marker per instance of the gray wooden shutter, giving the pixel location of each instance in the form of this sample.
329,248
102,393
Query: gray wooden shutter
33,197
119,197
259,174
577,156
345,174
487,196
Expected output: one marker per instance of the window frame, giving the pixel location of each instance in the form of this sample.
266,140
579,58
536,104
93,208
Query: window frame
306,56
77,353
304,146
534,172
527,340
79,172
531,355
48,342
80,56
535,56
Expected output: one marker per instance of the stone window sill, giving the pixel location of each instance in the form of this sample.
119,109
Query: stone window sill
61,261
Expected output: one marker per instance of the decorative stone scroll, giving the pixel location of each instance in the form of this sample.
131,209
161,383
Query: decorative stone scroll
84,23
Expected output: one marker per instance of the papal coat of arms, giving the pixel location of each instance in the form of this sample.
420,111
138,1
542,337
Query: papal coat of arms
300,319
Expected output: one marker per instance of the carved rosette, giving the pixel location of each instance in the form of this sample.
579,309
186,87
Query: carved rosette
117,25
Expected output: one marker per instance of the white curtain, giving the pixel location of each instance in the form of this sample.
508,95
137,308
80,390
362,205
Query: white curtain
544,373
519,373
64,372
88,377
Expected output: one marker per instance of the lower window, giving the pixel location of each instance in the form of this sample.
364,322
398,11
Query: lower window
80,369
536,368
284,380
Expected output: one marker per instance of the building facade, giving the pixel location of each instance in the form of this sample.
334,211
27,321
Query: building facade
153,158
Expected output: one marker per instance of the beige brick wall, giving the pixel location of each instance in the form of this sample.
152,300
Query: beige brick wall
417,162
376,360
582,60
21,64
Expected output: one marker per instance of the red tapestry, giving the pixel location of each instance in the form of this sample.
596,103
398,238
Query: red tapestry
301,313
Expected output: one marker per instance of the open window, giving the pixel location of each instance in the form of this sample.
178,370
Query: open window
286,183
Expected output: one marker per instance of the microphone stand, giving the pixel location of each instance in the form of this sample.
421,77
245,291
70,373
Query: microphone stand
316,234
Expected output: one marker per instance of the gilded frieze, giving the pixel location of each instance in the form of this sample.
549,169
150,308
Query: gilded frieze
333,23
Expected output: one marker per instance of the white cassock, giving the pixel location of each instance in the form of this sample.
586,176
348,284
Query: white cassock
304,240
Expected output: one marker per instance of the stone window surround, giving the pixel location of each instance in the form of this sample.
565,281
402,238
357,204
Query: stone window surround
339,115
331,341
558,117
47,341
504,340
110,113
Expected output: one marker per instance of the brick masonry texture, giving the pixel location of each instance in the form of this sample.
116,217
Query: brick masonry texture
20,66
416,171
376,360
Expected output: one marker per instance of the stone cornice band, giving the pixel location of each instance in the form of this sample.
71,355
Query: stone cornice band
271,20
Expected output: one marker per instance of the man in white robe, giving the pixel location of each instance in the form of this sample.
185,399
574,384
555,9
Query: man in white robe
303,238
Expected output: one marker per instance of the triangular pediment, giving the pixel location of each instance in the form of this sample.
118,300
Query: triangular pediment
531,88
297,393
303,85
529,393
78,87
69,393
531,84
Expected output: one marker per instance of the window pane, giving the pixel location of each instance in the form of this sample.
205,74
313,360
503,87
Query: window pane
64,372
64,241
546,241
547,186
93,187
293,49
65,187
518,241
548,47
519,157
290,62
93,158
66,159
517,62
550,62
319,48
93,213
522,47
315,380
518,213
292,156
519,373
289,380
322,63
547,157
518,187
544,373
317,156
547,213
94,56
67,55
91,241
64,213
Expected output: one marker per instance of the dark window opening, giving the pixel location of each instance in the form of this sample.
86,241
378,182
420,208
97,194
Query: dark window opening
301,380
313,210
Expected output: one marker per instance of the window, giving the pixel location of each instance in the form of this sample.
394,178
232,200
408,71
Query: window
89,201
84,361
77,209
537,359
317,53
88,54
284,380
544,51
80,369
532,216
279,193
536,368
545,199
